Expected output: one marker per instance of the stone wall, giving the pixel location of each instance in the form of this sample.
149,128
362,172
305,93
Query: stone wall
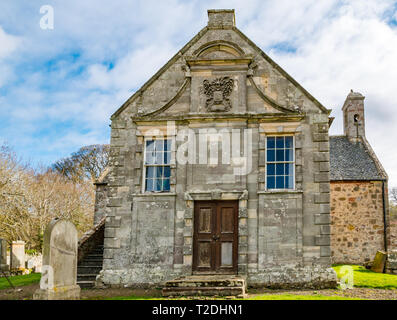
148,237
357,228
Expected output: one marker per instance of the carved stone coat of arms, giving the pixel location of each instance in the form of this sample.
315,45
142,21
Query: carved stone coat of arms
218,92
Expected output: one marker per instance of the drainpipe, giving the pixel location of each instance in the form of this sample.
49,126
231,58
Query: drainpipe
384,215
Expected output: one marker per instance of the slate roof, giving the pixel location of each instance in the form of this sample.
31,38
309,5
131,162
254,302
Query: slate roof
351,161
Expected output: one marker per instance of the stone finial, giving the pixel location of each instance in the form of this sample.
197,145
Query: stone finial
221,18
353,115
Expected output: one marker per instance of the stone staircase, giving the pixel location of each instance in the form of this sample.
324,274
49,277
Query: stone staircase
206,285
90,255
89,267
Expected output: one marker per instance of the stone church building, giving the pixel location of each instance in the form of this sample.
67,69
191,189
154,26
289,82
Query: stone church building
221,163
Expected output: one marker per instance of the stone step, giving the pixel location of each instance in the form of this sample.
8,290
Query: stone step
92,262
206,281
86,277
88,269
96,252
206,285
86,284
203,291
93,256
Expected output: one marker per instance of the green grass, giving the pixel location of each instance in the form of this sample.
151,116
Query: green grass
364,278
127,298
19,281
299,297
258,297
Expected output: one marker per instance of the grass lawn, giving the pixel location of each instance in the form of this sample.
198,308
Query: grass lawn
299,297
256,297
364,278
19,281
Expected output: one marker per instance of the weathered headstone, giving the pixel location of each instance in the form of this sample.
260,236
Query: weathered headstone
18,255
3,255
379,262
59,270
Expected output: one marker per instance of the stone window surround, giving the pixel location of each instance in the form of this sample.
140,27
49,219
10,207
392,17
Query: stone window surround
293,162
162,133
144,165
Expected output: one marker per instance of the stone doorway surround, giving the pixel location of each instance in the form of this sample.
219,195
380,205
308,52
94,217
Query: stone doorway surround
242,197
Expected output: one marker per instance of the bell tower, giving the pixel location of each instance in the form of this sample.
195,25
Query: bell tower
353,115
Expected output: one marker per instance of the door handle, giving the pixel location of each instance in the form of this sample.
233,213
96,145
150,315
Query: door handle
215,237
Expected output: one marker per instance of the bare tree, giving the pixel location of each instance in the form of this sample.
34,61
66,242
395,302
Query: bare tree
393,195
30,199
87,163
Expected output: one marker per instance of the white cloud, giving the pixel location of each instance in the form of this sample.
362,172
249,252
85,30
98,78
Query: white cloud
357,50
8,43
335,46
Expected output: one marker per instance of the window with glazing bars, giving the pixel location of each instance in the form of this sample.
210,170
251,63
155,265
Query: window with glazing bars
157,165
280,161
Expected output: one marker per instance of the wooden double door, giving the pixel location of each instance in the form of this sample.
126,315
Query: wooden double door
215,238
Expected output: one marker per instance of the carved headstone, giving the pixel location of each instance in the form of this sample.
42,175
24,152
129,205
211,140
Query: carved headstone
3,255
379,262
59,270
18,255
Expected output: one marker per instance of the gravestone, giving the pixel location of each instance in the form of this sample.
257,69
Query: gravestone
3,255
379,262
59,270
18,255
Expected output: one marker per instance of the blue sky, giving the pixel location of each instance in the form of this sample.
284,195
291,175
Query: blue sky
59,87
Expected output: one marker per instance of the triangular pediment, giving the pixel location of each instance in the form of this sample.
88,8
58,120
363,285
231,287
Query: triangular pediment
212,54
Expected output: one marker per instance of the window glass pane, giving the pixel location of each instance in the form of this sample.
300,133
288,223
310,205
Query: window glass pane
280,182
167,157
167,145
289,142
289,155
271,182
167,172
289,168
159,145
280,155
159,172
166,185
157,185
150,171
149,184
150,145
159,157
149,157
271,169
271,155
289,184
279,169
280,175
279,142
271,142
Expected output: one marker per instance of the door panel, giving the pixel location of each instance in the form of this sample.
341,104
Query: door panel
215,236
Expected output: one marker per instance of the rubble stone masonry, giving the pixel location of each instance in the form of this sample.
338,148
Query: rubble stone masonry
357,228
